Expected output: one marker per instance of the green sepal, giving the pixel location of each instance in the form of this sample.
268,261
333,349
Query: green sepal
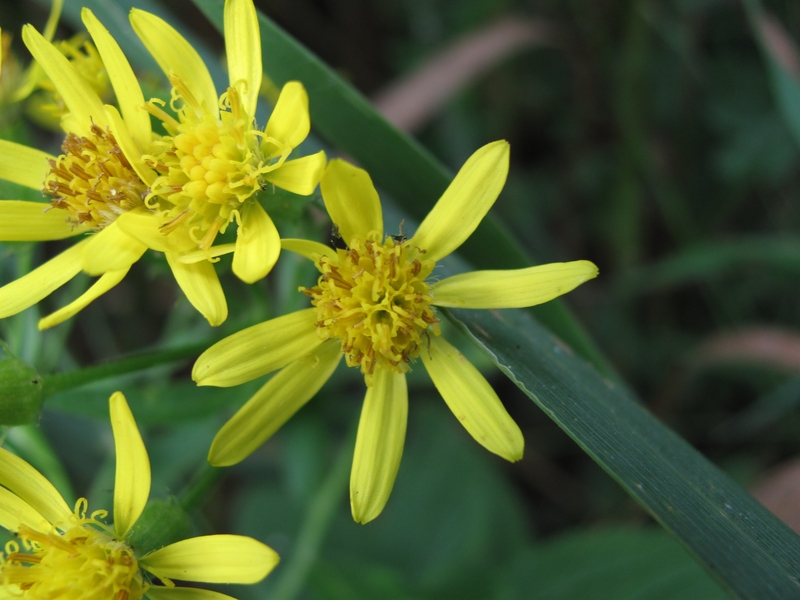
163,522
20,389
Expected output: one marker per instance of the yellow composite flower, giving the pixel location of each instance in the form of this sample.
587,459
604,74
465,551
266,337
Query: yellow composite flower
74,554
215,159
120,181
374,304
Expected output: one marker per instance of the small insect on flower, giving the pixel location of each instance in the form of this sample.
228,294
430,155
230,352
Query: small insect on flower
375,305
75,554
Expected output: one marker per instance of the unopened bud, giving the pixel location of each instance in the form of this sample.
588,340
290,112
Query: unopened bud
162,522
20,390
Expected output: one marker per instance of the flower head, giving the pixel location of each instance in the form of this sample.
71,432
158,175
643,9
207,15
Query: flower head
72,554
374,304
215,158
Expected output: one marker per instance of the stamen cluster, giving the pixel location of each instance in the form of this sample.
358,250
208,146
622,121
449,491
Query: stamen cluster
85,561
93,181
210,165
374,298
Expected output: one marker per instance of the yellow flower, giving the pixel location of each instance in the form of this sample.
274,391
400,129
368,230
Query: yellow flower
72,554
215,159
136,190
374,304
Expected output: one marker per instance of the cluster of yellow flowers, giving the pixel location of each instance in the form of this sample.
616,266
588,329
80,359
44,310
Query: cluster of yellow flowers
123,188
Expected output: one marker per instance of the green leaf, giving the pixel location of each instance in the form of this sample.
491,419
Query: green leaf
785,85
742,544
397,163
609,564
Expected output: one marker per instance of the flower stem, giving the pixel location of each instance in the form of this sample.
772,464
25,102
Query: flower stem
59,382
315,526
204,479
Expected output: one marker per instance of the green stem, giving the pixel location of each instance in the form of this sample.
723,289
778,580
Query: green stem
197,491
315,527
59,382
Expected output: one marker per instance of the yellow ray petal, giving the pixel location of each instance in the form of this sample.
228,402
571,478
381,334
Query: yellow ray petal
100,287
23,165
273,405
22,221
42,281
213,252
201,285
81,100
33,73
143,225
162,592
465,202
123,80
299,176
15,512
243,47
130,148
258,244
132,480
379,444
515,288
351,200
258,350
32,487
472,400
213,559
290,123
307,248
111,250
175,56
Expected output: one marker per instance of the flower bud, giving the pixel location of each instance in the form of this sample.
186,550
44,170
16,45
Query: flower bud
162,522
20,390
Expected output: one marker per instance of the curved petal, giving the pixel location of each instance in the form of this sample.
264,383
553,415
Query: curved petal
81,100
307,248
15,512
132,480
465,202
175,56
32,487
22,221
243,47
123,80
162,592
23,165
101,286
33,73
258,350
130,148
213,559
299,176
290,123
379,444
111,250
472,400
258,244
213,252
514,288
274,404
144,225
42,281
351,200
201,285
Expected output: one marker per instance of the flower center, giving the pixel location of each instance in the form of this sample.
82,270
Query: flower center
92,180
85,561
211,164
375,299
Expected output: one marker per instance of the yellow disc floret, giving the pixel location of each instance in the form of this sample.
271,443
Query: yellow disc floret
375,299
212,164
82,561
93,181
